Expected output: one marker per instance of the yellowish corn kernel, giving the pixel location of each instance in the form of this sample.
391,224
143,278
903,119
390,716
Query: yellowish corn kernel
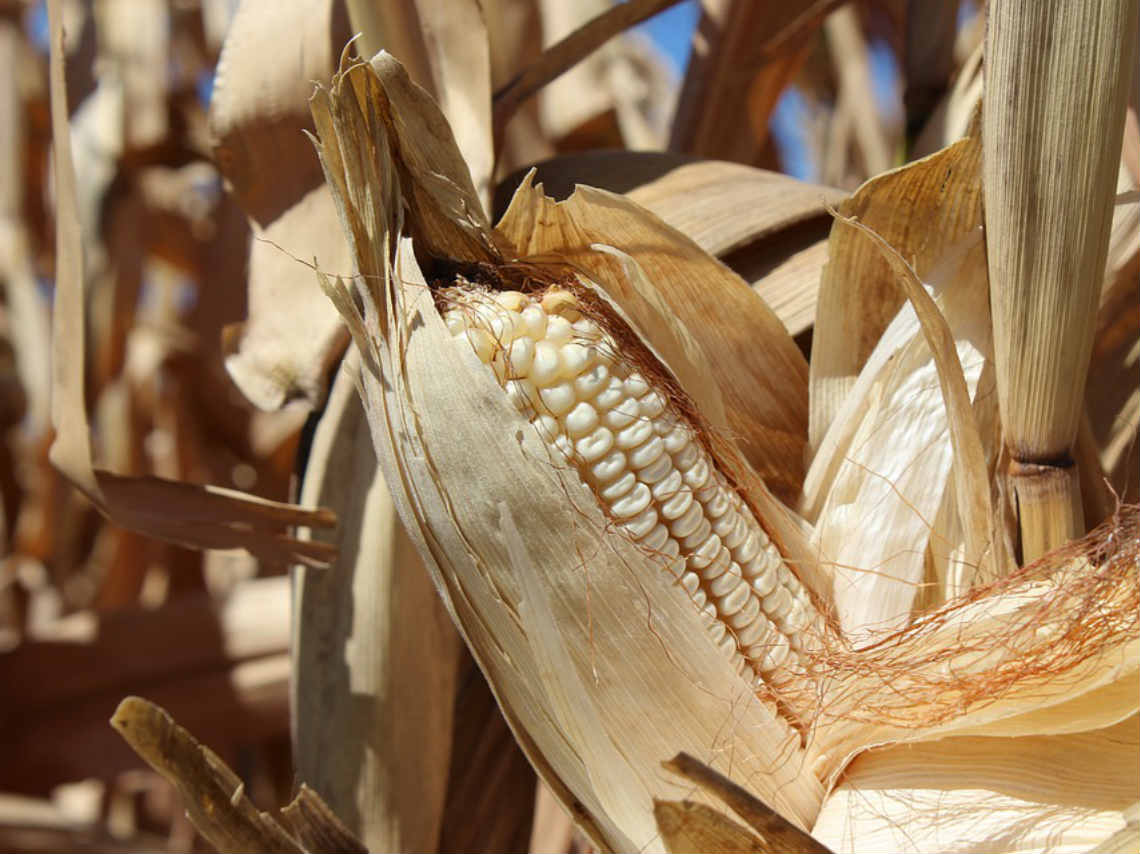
643,461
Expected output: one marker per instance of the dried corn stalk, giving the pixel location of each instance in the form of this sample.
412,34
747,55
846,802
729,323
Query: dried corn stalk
1050,177
571,409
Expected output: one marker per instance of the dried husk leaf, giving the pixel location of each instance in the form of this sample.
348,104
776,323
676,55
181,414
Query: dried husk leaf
791,287
720,206
445,47
375,655
601,665
766,226
291,335
1010,657
183,513
723,207
775,832
923,209
1050,176
1055,793
907,425
894,446
317,827
1125,839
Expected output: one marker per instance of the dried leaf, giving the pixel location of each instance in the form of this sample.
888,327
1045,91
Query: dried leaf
744,55
923,209
757,222
687,826
202,517
445,47
285,347
856,97
375,655
569,51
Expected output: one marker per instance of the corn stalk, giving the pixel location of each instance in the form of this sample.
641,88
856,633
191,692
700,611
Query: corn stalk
1057,78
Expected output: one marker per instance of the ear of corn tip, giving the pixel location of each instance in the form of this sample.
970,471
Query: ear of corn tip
600,415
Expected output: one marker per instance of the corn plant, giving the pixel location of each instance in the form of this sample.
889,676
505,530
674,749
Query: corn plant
729,489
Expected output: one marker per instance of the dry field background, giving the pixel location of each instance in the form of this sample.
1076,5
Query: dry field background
192,502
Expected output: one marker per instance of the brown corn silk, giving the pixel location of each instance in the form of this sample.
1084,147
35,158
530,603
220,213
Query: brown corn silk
601,664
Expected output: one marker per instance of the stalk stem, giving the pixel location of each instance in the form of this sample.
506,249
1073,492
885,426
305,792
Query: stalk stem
1057,77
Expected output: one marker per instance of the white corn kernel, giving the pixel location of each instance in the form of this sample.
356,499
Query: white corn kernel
618,488
580,420
544,368
558,399
632,504
609,466
640,526
592,381
622,415
658,471
633,435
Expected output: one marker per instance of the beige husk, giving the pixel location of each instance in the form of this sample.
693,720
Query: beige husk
898,472
600,664
1052,792
370,627
1050,178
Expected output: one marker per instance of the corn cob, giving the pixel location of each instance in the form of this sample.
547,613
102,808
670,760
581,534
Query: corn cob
644,462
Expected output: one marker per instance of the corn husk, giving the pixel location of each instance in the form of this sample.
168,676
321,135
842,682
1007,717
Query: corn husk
282,351
897,473
778,246
444,46
600,667
1054,793
1050,177
370,628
